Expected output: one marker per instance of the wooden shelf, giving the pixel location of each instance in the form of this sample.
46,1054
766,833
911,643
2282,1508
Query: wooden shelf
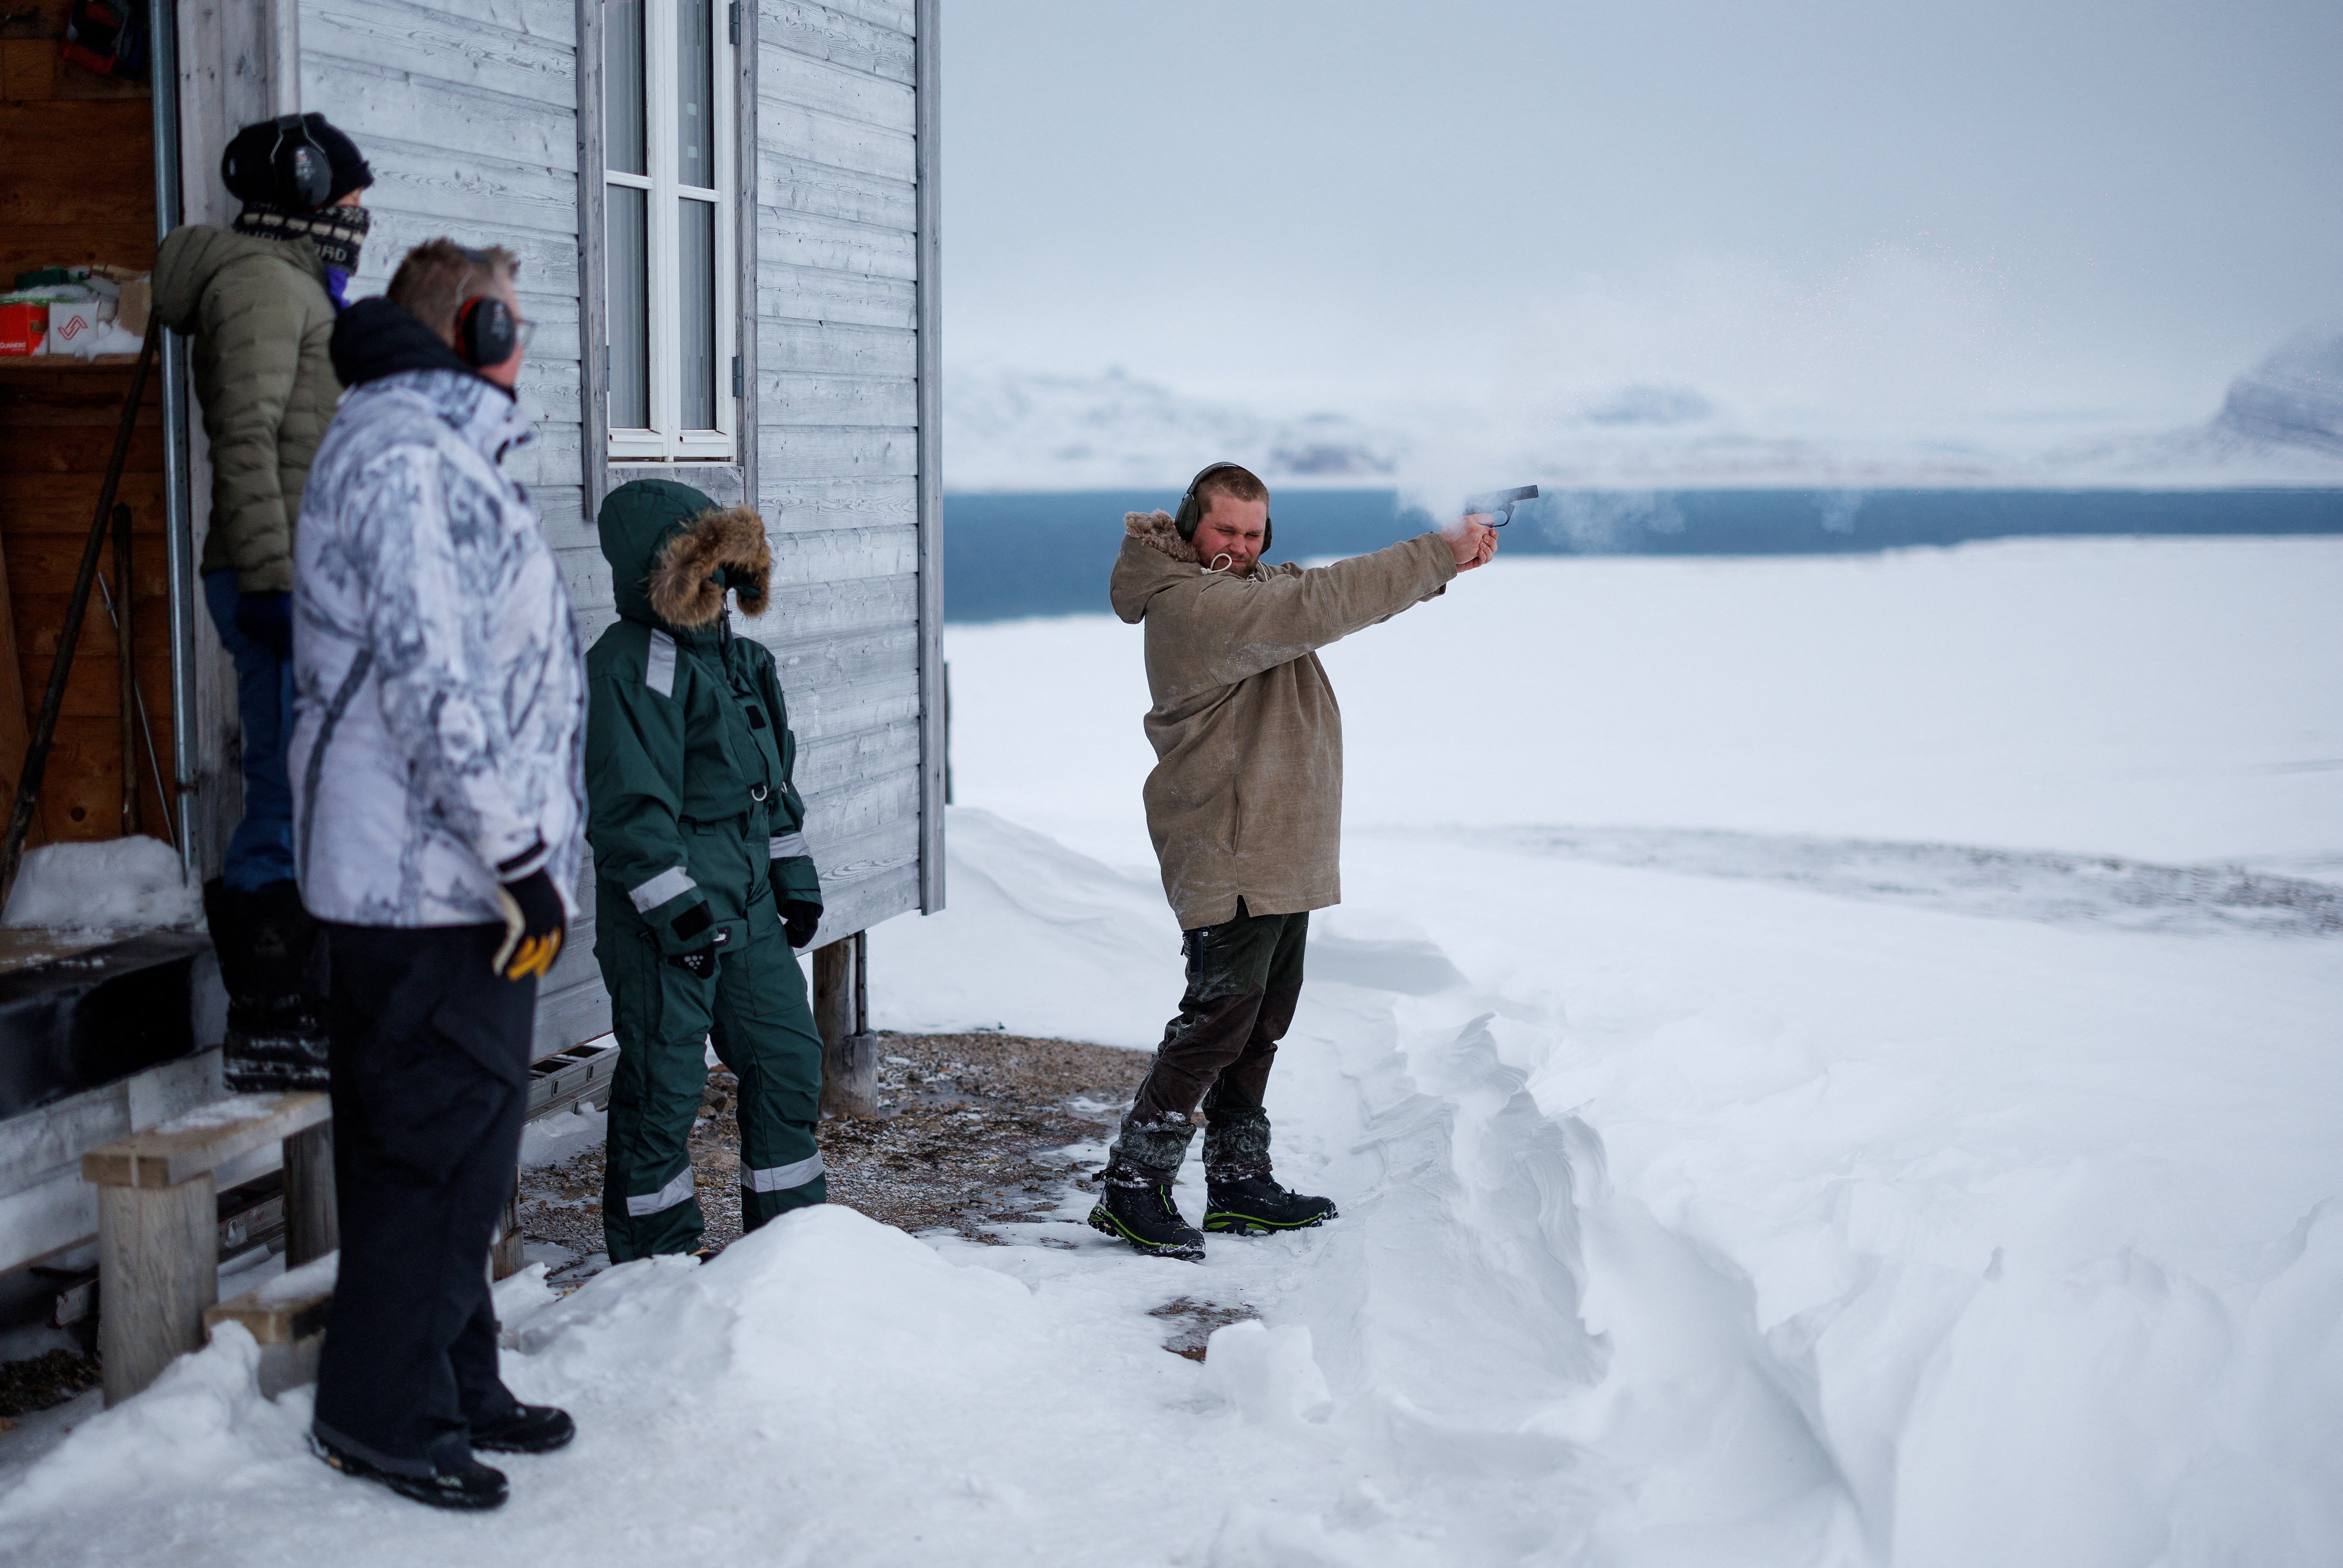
28,362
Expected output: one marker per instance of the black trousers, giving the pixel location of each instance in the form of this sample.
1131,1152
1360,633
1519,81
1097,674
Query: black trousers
1244,981
429,1053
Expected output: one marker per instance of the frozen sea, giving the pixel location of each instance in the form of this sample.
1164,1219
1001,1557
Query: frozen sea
1824,1061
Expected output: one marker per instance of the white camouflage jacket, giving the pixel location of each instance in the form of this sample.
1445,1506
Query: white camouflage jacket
439,739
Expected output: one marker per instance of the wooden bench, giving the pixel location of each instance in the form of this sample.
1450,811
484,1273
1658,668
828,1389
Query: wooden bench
157,1221
286,1317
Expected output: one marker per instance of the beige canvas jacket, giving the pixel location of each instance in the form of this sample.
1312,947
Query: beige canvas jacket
1246,798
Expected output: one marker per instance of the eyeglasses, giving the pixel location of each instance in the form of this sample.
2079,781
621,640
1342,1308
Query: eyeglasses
523,330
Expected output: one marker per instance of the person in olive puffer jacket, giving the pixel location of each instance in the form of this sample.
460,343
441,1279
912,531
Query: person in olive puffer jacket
703,879
260,302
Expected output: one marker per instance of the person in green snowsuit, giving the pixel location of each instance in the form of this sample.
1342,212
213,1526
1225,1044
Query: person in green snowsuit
703,882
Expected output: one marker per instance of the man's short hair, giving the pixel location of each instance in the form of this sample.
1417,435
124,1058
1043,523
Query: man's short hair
440,275
1237,483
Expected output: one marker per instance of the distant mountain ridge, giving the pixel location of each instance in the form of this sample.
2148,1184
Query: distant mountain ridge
2281,424
2294,397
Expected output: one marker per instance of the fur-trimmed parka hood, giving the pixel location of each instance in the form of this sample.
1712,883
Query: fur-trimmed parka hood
1154,557
673,552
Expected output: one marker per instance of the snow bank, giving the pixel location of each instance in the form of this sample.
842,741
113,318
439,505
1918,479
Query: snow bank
1705,1199
115,884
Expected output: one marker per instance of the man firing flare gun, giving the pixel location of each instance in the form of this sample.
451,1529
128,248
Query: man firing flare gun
1246,809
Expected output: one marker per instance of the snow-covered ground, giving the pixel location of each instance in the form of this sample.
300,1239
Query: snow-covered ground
1824,1061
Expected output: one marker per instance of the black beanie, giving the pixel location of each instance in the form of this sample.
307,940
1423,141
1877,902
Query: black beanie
250,175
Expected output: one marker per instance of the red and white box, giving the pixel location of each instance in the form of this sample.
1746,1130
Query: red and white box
24,329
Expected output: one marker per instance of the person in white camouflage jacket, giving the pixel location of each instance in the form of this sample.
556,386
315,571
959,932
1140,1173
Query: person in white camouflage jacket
438,801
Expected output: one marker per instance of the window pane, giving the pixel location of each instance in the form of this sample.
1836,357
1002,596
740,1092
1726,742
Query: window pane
627,248
622,86
694,65
696,266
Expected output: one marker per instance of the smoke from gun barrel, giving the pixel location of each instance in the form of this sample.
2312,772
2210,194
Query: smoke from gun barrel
1490,502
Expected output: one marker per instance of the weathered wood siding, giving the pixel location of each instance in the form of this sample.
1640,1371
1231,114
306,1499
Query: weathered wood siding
480,126
468,110
837,459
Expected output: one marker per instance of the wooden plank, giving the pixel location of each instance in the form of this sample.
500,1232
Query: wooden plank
886,701
792,185
850,450
888,402
795,504
850,1056
312,1224
446,185
838,349
880,893
200,1141
818,664
834,555
272,1320
372,100
819,293
442,44
826,33
805,239
934,699
548,260
894,16
836,90
158,1270
824,138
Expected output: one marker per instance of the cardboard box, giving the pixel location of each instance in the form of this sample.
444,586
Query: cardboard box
137,300
73,327
24,329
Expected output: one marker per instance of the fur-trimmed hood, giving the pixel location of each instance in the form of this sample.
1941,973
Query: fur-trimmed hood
673,552
1162,559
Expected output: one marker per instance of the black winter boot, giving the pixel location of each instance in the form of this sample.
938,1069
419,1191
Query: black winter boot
272,956
466,1485
1142,1213
1257,1205
527,1428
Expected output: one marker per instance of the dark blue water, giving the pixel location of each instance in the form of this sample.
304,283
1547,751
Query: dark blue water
1050,554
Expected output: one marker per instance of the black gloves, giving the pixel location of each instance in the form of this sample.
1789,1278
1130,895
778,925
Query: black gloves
534,920
799,919
700,962
268,620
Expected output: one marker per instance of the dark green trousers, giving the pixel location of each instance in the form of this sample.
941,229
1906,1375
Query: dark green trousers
755,1012
1244,979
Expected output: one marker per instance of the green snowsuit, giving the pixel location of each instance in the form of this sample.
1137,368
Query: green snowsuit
698,838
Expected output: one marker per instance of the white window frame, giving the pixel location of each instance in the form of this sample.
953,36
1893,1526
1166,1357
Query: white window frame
666,440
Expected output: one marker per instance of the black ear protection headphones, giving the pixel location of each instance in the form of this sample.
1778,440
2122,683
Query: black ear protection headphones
303,172
297,175
1192,510
486,332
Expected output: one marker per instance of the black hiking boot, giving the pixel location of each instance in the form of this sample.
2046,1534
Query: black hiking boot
1147,1218
272,958
469,1486
1256,1205
526,1429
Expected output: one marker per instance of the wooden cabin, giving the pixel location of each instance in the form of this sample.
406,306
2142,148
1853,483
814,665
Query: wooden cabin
725,216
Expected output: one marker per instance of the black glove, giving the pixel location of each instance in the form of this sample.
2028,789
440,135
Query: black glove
700,962
268,620
534,926
799,919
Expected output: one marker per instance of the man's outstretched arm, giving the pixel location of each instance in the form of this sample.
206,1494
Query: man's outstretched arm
1238,626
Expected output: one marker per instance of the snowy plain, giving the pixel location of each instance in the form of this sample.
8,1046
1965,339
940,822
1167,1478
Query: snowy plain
1824,1061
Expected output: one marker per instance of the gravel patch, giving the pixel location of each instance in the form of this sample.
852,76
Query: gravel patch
975,1132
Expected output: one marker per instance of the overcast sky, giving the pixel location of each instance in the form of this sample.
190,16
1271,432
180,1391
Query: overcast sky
1992,208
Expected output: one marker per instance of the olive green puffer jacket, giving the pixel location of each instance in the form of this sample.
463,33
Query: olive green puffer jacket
260,317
